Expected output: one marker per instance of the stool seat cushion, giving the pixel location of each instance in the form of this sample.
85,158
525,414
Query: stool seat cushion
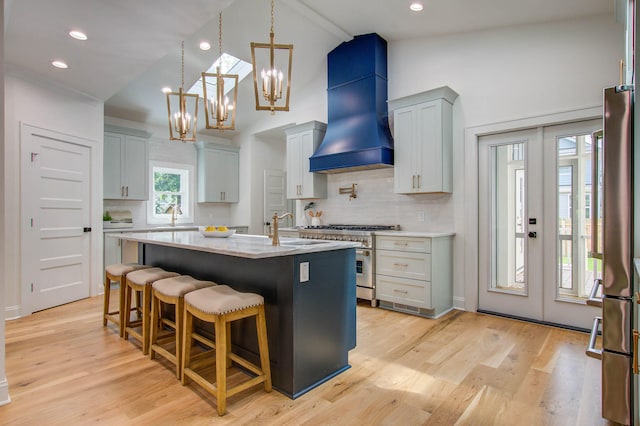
180,285
221,299
117,269
149,275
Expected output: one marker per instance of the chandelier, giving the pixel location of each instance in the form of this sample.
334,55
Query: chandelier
219,112
183,112
269,93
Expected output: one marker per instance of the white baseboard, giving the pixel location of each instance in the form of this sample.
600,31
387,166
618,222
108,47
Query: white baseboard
12,312
458,303
4,392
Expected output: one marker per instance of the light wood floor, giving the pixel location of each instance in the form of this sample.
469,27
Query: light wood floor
64,368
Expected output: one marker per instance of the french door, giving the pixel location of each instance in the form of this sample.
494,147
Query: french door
534,215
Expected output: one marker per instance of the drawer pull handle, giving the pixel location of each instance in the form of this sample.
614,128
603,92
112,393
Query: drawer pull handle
404,265
400,243
400,291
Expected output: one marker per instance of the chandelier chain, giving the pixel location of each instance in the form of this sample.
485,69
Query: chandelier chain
182,66
272,15
220,35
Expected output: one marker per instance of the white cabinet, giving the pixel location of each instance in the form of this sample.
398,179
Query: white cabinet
302,141
218,173
126,164
415,274
422,134
119,251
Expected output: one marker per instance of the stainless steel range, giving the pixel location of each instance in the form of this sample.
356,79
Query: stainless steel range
365,253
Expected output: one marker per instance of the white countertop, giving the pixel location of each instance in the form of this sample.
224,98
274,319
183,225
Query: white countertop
240,245
149,228
415,234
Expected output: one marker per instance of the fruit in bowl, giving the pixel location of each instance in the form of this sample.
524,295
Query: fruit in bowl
216,231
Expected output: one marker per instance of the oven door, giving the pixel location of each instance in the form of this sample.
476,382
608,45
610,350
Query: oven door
364,274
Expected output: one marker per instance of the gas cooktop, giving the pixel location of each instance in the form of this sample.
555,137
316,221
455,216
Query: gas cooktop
338,227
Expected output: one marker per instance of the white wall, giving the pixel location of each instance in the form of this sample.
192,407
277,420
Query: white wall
4,386
54,108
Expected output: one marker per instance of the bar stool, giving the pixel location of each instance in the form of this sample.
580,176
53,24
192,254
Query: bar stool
170,291
221,305
141,281
116,273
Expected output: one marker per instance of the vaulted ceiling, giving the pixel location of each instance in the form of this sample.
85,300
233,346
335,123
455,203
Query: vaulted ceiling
134,45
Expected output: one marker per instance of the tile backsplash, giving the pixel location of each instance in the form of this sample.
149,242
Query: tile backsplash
376,203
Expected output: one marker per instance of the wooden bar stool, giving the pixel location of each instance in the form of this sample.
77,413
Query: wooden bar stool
116,273
170,291
141,281
221,305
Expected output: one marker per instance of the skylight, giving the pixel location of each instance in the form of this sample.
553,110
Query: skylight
229,65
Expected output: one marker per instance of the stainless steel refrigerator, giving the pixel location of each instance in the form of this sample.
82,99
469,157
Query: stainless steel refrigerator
612,241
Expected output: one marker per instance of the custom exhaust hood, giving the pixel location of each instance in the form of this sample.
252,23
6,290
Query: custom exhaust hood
358,135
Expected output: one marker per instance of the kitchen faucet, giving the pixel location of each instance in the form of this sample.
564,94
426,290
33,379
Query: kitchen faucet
175,210
275,239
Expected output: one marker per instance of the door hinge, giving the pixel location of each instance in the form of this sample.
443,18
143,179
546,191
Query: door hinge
31,287
31,221
33,156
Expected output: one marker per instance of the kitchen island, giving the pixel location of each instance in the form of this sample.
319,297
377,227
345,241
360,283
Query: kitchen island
308,287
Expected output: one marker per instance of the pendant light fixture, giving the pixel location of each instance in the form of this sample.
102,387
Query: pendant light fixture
219,112
183,112
272,58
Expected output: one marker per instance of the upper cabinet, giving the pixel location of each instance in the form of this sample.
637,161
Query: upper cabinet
218,173
126,164
422,127
302,141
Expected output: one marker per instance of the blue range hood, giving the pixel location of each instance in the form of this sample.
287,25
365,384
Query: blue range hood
358,135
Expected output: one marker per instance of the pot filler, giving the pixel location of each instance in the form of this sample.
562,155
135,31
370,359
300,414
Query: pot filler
358,135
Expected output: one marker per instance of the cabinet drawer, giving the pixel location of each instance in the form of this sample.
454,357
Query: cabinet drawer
401,290
415,266
414,244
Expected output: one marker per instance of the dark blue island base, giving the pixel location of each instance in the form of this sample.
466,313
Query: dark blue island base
311,326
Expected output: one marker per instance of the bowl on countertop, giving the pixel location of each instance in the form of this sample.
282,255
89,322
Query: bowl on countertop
216,233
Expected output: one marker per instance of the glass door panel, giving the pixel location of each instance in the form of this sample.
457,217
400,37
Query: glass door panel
508,212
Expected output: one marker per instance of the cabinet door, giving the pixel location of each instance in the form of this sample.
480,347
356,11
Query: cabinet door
218,180
112,180
428,148
294,179
306,177
135,174
112,252
231,176
404,126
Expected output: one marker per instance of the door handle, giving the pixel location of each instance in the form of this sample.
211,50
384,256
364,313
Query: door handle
533,234
86,229
591,350
593,299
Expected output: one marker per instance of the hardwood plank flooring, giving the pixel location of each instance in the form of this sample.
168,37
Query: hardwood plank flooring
465,368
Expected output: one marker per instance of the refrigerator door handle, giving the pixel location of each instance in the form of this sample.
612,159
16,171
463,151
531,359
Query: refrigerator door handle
593,299
591,350
596,137
636,370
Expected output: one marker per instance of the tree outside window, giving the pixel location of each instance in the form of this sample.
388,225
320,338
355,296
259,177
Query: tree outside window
170,187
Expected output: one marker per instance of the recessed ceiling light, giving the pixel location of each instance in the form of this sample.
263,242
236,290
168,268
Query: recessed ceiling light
78,35
204,45
59,64
166,89
416,6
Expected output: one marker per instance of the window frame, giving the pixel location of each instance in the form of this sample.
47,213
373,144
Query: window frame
188,193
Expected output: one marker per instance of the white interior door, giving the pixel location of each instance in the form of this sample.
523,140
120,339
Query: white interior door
55,194
275,199
534,205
